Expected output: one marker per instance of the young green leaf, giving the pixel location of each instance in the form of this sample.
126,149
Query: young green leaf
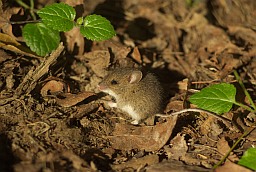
249,159
217,98
59,16
97,28
40,38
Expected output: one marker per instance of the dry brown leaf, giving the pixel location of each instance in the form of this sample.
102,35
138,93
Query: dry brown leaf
120,53
8,42
178,147
234,13
85,109
175,105
98,61
137,163
174,166
245,34
148,138
119,50
223,147
52,87
72,99
72,3
136,55
230,166
5,16
211,127
77,162
75,41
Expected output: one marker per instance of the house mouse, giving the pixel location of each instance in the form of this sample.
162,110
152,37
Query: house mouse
138,94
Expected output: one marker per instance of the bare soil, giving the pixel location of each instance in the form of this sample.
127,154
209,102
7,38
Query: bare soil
53,118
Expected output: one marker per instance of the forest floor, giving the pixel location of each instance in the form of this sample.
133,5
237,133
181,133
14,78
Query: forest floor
53,118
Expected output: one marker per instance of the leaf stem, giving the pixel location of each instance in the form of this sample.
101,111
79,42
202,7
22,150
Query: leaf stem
24,22
245,91
21,3
244,106
30,8
232,148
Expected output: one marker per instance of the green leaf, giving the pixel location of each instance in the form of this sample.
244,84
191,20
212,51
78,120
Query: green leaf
217,98
58,16
97,28
40,38
249,159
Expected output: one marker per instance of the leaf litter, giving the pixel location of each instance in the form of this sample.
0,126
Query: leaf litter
71,128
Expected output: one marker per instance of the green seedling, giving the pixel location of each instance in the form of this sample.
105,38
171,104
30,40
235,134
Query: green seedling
218,98
44,37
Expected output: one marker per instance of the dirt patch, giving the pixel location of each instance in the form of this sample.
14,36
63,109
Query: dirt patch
53,117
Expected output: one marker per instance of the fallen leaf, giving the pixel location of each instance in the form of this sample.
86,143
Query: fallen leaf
98,61
148,138
137,163
77,162
136,55
69,99
174,166
223,147
5,24
119,50
178,147
8,42
75,41
211,127
244,34
52,87
120,53
175,105
230,166
85,109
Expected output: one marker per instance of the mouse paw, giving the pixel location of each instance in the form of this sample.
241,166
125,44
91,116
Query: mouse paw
135,122
112,104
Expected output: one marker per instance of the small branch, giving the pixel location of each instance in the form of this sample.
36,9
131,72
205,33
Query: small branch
245,91
25,22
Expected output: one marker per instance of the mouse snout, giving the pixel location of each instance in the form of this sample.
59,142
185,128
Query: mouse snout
102,87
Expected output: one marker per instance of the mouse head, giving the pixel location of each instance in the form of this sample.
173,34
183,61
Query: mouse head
120,80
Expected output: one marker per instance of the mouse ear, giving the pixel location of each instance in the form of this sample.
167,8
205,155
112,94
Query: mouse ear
135,77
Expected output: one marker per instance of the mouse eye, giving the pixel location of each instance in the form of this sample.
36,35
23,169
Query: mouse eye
113,82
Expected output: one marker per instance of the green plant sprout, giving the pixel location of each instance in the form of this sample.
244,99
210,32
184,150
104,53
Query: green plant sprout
219,98
44,37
